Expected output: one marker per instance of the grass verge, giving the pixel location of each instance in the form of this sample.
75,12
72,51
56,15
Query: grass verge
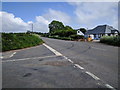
13,41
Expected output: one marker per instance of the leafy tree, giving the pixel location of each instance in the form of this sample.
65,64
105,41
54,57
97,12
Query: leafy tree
57,28
28,32
83,30
55,25
68,28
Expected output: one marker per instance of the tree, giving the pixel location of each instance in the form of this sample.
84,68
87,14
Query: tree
68,28
55,25
57,28
83,30
28,32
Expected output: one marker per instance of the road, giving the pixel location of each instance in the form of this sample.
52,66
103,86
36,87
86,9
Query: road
62,64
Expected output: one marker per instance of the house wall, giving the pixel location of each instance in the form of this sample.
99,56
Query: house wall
79,33
92,36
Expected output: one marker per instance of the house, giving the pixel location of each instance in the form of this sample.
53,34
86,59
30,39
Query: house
79,32
102,30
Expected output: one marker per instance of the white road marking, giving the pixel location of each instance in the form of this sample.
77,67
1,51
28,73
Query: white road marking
8,55
65,57
13,54
78,66
1,57
53,50
99,48
92,75
70,61
27,58
109,86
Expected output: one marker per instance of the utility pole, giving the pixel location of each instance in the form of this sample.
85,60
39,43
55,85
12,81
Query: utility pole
32,27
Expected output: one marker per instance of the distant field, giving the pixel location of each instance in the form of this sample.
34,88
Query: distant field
13,41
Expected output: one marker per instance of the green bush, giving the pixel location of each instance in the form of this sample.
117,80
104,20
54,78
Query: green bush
12,41
74,37
62,38
71,37
111,40
63,33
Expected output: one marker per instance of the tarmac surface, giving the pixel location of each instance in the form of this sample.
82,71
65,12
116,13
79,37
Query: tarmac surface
61,64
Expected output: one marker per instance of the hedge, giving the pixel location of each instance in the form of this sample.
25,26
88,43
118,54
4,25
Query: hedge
111,40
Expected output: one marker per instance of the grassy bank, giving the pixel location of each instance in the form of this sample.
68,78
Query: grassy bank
13,41
111,40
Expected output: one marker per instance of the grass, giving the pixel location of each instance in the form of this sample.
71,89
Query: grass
111,40
13,41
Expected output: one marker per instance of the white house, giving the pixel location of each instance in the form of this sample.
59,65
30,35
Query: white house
79,32
102,30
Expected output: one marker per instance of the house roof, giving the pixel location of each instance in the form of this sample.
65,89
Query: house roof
102,29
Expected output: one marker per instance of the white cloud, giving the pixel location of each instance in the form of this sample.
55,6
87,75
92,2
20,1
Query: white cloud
91,14
41,19
57,15
10,23
42,22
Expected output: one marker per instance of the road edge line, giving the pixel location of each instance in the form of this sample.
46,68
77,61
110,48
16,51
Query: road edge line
53,50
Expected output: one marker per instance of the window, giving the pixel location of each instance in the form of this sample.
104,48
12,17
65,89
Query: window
94,35
108,34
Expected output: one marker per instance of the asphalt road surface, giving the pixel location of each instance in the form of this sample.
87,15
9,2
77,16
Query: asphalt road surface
61,64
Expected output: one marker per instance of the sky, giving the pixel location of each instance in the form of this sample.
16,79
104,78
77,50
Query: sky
18,16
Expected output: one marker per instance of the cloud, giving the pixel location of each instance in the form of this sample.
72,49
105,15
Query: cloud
90,14
87,14
57,15
10,23
41,19
42,22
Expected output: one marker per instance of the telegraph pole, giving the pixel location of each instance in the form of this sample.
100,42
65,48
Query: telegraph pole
32,27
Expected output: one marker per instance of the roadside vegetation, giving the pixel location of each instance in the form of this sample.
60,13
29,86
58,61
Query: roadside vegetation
58,31
111,40
13,41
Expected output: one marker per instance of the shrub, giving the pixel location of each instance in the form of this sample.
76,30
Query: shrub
62,38
111,40
74,37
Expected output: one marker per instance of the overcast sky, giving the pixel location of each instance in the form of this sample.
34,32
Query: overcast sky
17,17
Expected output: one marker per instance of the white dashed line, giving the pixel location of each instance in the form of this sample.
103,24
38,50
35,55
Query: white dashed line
12,54
78,66
65,57
8,55
108,86
92,75
53,50
70,61
1,57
